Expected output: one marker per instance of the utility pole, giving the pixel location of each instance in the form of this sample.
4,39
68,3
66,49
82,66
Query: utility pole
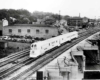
59,15
58,23
79,15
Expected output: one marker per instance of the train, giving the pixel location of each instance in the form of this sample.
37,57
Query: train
40,47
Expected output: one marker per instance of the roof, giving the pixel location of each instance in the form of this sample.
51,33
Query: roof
75,18
31,25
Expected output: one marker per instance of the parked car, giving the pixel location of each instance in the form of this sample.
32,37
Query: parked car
6,38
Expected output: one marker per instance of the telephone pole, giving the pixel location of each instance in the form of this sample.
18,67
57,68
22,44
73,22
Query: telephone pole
59,15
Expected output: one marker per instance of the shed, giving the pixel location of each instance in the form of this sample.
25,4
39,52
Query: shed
3,44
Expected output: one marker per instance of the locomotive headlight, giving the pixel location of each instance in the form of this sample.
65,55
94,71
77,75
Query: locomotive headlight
32,51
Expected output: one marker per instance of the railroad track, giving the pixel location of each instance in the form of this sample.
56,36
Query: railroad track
19,61
17,55
13,57
48,57
6,72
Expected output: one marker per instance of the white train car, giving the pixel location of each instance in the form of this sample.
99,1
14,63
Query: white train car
41,47
38,48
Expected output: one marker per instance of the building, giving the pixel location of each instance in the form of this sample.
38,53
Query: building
40,31
1,28
5,22
74,21
78,22
3,44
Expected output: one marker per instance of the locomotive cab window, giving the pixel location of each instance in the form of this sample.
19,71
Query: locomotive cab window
35,47
32,46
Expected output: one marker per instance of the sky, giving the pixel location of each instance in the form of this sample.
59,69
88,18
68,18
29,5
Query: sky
86,8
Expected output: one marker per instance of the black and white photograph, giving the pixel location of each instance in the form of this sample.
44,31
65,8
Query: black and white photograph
49,39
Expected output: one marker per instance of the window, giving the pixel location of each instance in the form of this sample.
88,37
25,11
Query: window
10,30
19,30
37,31
47,31
28,30
34,46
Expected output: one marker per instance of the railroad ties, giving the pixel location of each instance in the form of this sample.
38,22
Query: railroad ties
79,58
28,67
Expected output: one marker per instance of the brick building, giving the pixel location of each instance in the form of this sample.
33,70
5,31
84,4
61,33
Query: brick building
75,21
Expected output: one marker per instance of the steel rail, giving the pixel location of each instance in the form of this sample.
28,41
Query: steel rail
49,58
14,57
16,68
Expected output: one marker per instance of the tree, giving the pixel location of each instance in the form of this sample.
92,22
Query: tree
49,21
24,12
32,19
66,17
3,14
57,17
